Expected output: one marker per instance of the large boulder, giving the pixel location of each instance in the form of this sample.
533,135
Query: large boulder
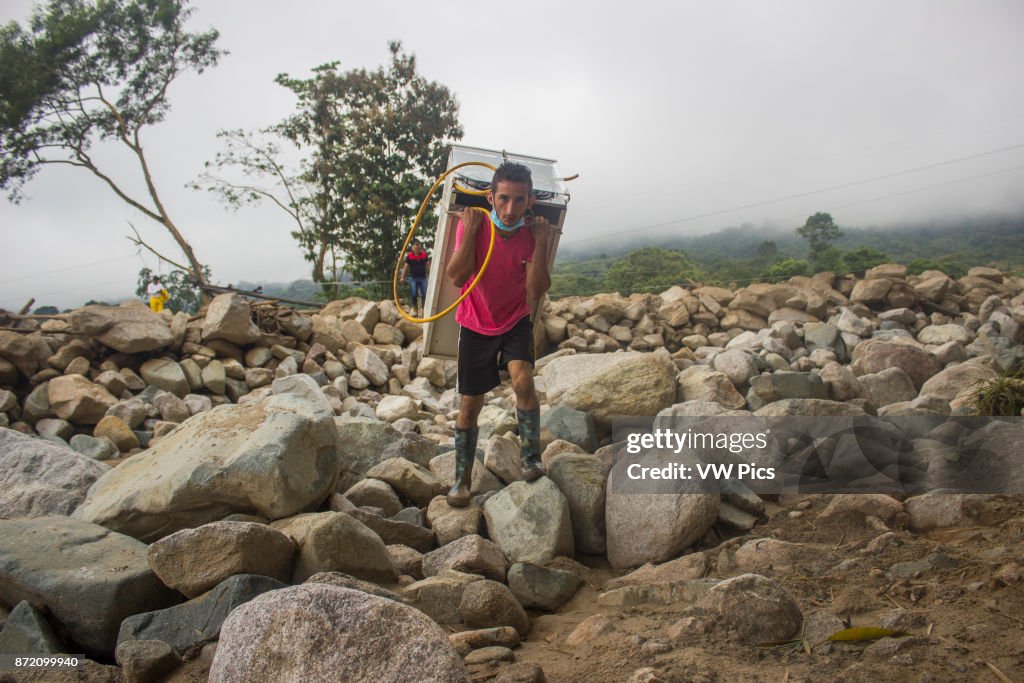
193,561
753,608
40,477
581,479
318,632
762,299
199,620
530,521
958,383
26,352
704,383
655,520
362,443
272,458
228,317
337,542
128,328
165,374
608,385
875,355
76,399
89,578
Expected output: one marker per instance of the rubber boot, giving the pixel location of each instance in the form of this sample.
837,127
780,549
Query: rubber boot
529,435
465,454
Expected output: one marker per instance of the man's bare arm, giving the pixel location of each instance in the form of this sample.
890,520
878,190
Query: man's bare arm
463,262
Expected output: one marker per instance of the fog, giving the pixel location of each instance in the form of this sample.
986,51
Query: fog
680,118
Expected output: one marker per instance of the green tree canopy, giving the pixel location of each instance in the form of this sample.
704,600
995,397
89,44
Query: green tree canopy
859,260
787,268
819,231
651,269
84,72
376,141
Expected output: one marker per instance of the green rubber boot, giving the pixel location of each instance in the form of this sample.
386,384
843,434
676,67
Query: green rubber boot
529,435
465,454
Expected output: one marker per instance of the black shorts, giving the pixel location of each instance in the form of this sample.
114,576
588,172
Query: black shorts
481,357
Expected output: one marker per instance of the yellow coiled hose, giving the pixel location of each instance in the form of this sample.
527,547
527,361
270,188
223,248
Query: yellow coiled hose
412,231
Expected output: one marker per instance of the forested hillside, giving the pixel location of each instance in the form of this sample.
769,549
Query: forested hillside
740,255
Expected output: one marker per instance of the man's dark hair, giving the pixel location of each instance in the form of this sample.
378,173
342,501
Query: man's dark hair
511,172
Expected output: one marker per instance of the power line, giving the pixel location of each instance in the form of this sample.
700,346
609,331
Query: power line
797,196
62,270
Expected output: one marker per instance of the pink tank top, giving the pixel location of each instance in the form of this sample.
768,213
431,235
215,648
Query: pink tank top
498,301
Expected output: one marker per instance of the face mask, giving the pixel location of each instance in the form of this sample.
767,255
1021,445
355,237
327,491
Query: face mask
507,228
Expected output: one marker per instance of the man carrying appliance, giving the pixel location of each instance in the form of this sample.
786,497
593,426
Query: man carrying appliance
495,326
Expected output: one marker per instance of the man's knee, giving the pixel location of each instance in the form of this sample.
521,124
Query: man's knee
469,411
521,374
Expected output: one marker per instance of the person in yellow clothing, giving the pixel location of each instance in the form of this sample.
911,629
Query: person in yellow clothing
157,295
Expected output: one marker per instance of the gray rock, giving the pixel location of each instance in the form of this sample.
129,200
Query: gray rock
568,424
274,457
541,588
26,632
439,596
397,532
228,317
345,581
214,377
450,523
471,554
411,481
172,408
361,445
753,607
874,355
94,448
686,510
582,480
39,478
737,365
608,385
199,620
146,661
319,632
193,561
76,399
888,386
784,385
27,352
128,328
375,493
336,541
530,521
501,456
372,367
53,428
702,383
486,604
87,577
808,407
165,374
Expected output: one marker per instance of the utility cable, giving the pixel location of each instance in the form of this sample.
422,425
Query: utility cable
798,195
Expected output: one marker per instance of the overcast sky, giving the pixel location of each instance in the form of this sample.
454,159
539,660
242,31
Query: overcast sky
668,111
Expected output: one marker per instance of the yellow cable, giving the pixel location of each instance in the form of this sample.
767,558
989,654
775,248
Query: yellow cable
412,231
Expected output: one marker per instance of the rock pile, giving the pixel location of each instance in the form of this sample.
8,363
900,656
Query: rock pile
189,466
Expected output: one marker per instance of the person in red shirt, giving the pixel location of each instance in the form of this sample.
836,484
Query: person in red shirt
417,265
496,331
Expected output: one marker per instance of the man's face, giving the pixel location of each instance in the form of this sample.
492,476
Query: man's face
417,248
510,200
